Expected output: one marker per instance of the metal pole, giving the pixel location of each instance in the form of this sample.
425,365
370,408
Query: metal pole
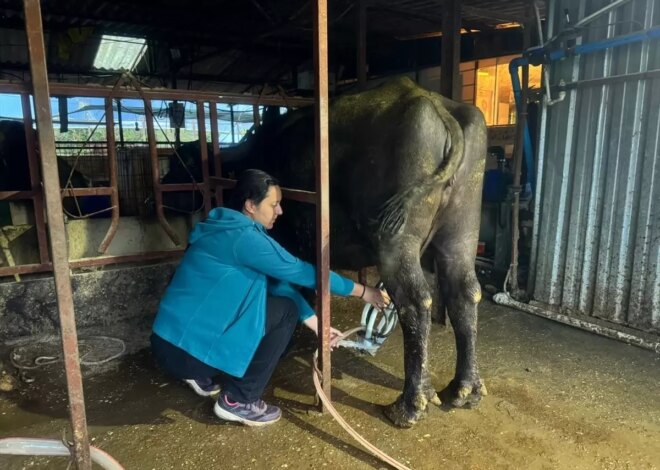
215,142
361,30
120,123
35,181
112,170
256,116
231,120
155,174
362,276
204,154
521,124
97,91
322,182
451,50
57,233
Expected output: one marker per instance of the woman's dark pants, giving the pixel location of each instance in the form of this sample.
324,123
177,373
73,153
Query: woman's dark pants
281,320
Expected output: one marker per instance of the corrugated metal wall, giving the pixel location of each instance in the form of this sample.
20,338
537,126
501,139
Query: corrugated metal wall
597,238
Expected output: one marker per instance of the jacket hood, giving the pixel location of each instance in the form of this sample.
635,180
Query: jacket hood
221,219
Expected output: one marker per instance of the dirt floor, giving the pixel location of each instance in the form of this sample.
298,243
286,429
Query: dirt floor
558,398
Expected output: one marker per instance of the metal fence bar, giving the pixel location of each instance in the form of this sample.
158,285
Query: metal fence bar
112,170
155,172
65,89
57,233
321,146
287,193
204,155
215,143
35,181
91,262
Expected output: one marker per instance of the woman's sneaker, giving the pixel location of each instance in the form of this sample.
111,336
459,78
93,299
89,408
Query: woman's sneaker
203,388
257,413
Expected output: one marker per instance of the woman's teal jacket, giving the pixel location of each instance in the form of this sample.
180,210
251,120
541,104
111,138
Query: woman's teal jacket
215,306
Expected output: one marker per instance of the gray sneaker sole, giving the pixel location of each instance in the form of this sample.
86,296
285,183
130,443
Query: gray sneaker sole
228,416
199,391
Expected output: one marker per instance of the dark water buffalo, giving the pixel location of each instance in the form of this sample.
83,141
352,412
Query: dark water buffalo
15,171
15,174
406,169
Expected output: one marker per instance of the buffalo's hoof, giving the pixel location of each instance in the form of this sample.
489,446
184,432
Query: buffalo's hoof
463,393
405,415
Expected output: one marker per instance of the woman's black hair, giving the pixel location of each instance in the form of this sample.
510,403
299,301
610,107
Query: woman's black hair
252,184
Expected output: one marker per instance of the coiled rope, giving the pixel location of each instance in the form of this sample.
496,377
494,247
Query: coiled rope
18,359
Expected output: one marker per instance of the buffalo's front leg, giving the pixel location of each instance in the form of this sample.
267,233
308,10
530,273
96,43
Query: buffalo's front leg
405,280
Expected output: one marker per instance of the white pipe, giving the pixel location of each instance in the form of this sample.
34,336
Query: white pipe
599,13
503,298
546,73
538,23
53,447
592,17
562,94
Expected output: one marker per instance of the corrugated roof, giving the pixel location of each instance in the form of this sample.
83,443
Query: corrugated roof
119,52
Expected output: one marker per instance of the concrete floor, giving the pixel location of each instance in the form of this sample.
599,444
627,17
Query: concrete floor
558,398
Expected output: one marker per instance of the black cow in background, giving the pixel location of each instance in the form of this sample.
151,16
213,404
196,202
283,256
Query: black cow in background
15,171
185,166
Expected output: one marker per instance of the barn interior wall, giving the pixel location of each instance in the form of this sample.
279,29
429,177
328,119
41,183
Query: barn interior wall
127,295
598,219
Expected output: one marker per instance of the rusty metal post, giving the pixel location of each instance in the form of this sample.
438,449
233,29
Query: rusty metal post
155,174
203,148
521,123
57,233
256,117
362,276
96,91
112,170
215,143
35,181
321,146
451,50
361,32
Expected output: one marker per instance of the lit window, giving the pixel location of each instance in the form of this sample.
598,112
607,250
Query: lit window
119,52
494,92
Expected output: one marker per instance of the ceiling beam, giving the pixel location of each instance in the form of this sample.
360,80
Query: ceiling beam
66,70
493,15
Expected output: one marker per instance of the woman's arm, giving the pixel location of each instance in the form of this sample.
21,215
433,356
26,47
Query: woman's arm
376,297
313,324
261,253
285,289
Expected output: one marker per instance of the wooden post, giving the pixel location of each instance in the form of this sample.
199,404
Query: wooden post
35,181
521,123
204,155
112,171
255,116
215,143
155,173
321,146
57,232
361,32
451,50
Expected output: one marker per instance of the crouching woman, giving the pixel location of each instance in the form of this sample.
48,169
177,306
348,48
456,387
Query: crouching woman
231,308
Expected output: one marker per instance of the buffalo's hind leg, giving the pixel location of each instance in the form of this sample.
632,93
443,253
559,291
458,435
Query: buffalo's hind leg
404,279
461,292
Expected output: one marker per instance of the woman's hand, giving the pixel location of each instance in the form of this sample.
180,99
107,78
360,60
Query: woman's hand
313,324
379,298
